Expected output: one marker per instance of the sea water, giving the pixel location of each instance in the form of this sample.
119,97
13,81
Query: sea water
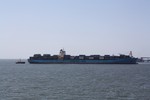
74,81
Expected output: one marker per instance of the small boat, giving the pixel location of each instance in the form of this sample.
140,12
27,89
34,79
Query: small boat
20,62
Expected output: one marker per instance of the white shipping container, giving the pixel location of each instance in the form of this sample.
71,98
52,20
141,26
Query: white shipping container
72,57
91,57
101,57
81,57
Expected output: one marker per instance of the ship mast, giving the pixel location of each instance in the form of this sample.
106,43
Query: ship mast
130,54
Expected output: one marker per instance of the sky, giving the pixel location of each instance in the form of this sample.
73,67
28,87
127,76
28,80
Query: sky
88,27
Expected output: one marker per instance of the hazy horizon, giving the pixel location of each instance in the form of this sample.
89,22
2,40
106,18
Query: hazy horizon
88,27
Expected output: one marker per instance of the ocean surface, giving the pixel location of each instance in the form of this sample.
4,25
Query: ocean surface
73,81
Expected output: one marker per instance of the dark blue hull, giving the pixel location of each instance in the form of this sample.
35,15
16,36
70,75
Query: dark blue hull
105,61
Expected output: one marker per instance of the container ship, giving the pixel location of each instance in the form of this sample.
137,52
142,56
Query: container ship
62,58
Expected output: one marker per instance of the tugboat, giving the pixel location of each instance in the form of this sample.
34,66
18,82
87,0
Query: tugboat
20,62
